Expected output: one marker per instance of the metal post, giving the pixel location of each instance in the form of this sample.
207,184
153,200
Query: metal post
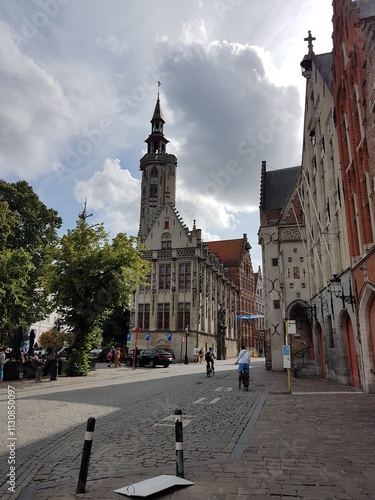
186,346
179,444
81,486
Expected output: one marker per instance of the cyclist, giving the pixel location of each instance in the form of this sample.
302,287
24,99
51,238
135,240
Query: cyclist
209,357
243,359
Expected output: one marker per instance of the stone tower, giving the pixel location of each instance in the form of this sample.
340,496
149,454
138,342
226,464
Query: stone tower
158,174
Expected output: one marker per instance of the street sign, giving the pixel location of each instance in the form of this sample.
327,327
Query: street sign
183,339
129,337
169,336
286,356
291,327
148,336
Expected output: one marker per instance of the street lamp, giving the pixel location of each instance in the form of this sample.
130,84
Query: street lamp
186,344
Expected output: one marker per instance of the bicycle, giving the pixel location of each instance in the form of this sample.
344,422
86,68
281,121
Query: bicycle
210,370
243,378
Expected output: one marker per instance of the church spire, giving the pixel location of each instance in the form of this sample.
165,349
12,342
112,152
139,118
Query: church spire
158,174
156,141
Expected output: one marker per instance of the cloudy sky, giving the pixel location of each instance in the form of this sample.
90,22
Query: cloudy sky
79,82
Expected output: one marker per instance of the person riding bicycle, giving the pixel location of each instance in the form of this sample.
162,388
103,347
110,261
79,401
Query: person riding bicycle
243,359
209,357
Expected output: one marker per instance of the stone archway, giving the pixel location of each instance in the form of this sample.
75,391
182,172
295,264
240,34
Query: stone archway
302,345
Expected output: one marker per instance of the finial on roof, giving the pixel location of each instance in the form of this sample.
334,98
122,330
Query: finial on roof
309,39
159,83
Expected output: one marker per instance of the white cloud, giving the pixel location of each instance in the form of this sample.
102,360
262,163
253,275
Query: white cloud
114,195
34,114
113,44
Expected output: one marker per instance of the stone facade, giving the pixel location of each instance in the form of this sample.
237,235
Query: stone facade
189,299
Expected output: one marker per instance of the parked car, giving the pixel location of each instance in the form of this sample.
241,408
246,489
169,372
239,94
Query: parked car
98,354
64,352
165,348
151,358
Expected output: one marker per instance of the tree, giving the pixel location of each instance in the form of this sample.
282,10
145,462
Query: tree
28,230
89,277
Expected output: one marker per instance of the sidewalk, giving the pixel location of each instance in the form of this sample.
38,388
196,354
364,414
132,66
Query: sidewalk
316,443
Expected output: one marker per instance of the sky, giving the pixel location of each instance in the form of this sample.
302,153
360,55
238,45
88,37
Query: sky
79,83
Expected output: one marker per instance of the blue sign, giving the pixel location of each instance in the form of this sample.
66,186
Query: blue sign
169,336
129,337
148,336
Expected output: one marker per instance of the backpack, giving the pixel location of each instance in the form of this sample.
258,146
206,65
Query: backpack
108,356
207,356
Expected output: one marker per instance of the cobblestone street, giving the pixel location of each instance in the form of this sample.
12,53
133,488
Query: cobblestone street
315,443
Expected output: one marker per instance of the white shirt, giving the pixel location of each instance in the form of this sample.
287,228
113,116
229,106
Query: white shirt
243,357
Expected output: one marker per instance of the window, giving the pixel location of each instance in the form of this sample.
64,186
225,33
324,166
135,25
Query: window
163,316
183,315
148,283
276,304
184,276
144,316
166,245
166,223
275,262
164,276
154,172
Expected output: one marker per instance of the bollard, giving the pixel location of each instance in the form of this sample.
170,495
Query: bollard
38,375
179,444
81,486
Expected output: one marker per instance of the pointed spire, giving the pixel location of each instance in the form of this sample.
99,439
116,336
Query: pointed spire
158,115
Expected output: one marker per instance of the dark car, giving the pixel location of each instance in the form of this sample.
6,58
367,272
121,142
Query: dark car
162,348
98,354
151,358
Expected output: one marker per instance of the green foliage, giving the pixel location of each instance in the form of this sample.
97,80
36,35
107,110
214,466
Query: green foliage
28,231
116,327
78,364
89,277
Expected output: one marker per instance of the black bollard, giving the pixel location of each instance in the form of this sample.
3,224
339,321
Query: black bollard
179,444
81,486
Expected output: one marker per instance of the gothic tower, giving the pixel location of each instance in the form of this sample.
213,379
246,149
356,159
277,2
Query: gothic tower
158,174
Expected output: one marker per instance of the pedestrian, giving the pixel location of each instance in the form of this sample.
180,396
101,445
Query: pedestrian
117,358
137,356
3,360
201,354
196,354
110,356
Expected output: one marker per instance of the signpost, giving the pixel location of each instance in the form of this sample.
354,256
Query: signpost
169,338
287,351
148,336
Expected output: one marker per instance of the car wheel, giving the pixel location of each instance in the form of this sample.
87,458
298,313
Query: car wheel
166,365
151,363
128,362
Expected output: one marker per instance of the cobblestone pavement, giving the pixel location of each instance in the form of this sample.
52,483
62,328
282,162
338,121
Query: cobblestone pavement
315,443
